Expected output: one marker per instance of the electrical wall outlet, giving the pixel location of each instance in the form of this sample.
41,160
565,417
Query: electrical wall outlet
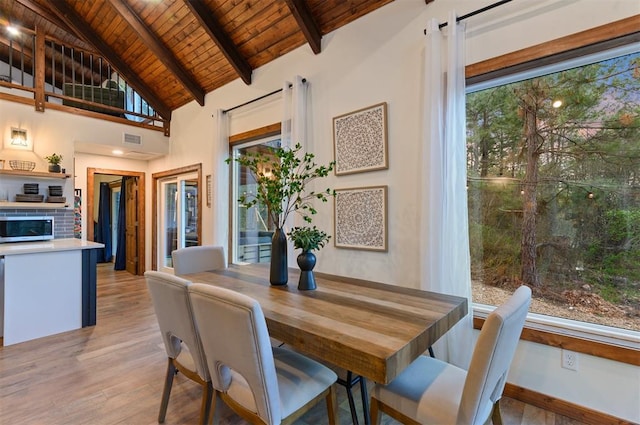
570,360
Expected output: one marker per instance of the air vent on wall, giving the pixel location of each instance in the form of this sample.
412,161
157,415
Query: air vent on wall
132,139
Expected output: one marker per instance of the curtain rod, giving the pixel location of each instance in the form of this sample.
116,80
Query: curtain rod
474,13
224,111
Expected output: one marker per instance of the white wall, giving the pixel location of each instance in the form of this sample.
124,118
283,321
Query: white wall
598,384
379,58
57,131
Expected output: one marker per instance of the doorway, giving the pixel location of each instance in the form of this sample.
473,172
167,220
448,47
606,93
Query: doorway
177,213
134,196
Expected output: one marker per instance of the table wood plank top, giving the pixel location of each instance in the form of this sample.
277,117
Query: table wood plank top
372,329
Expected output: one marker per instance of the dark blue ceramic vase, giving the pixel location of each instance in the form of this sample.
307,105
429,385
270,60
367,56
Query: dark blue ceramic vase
306,262
279,273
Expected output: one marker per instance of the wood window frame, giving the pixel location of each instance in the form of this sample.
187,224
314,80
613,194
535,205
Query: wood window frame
258,133
600,38
596,39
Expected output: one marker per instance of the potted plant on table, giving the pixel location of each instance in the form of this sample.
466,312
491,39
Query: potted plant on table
54,162
307,239
282,177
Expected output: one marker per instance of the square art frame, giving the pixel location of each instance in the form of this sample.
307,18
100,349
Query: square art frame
360,218
18,139
360,140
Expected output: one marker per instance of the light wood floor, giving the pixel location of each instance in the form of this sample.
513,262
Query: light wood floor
113,373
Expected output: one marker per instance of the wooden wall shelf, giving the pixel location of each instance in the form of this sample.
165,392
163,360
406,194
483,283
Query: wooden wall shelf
33,205
36,174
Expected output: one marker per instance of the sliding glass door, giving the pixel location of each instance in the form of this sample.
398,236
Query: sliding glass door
178,218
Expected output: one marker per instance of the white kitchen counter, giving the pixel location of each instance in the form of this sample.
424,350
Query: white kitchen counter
47,287
46,246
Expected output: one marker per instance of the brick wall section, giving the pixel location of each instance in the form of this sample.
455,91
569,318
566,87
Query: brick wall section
62,219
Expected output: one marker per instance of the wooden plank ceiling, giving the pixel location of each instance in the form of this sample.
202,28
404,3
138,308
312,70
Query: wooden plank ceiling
175,51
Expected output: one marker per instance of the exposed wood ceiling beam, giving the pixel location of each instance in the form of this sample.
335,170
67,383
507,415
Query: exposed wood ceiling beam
307,24
213,28
48,15
159,49
80,27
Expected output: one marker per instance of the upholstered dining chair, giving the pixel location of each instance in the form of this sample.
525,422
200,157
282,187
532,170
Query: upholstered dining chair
196,259
263,384
185,354
431,391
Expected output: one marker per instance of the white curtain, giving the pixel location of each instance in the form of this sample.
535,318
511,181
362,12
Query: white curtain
445,235
220,180
293,131
294,117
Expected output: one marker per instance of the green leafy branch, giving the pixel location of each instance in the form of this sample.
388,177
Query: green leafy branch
282,177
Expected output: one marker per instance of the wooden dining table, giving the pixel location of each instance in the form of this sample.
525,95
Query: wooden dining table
371,329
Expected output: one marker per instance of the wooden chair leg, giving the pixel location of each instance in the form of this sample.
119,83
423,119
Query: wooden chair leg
496,417
332,406
166,392
374,412
207,409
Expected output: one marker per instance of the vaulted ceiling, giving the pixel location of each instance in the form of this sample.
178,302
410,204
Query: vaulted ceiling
175,51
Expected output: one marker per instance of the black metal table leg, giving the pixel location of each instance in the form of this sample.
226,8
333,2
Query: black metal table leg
365,400
348,385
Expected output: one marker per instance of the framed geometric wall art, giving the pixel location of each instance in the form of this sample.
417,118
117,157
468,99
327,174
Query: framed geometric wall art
360,217
360,140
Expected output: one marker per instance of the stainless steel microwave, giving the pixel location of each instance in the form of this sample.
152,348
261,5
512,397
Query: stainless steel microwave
23,229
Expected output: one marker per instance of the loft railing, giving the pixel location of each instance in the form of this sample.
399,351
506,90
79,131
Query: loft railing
38,69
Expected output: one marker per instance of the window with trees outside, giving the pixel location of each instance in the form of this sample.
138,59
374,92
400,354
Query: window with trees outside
554,188
252,229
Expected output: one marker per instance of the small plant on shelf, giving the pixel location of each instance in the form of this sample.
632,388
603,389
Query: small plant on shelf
54,162
54,158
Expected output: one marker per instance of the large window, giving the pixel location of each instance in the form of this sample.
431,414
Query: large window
554,189
251,228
